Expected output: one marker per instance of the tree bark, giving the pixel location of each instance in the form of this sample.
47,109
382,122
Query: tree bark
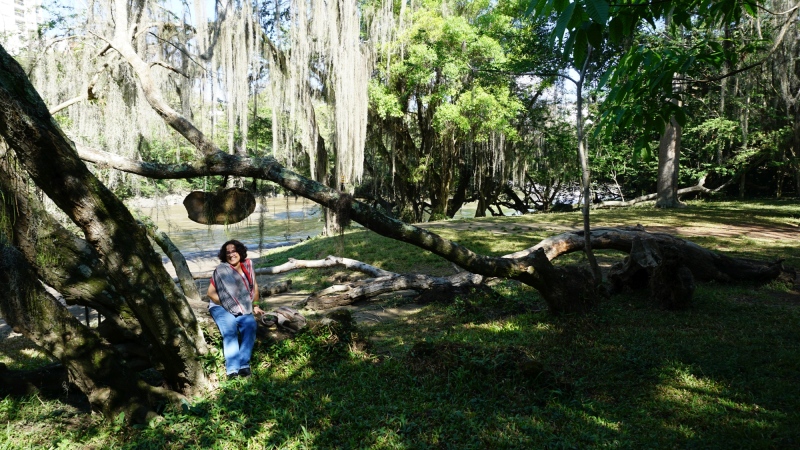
136,271
585,173
63,261
341,295
669,153
661,267
178,261
706,265
92,364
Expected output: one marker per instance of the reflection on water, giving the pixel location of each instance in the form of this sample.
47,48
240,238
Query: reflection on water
280,221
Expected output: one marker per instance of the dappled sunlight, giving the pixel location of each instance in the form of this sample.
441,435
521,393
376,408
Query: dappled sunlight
19,353
692,405
495,370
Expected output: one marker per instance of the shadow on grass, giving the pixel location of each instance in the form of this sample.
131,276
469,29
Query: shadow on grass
722,375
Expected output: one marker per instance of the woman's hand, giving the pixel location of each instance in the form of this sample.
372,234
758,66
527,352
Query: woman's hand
257,311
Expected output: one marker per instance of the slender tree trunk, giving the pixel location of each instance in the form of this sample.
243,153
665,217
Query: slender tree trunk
669,153
459,197
745,123
585,174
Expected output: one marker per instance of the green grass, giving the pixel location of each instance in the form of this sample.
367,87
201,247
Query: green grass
498,371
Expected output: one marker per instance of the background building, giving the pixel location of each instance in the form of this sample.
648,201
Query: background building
19,20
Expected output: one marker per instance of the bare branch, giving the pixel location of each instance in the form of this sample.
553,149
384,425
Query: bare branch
168,67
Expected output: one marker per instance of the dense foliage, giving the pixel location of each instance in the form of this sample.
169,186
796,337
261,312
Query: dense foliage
471,101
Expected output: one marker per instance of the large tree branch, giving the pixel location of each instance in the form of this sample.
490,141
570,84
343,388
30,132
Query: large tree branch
135,270
92,364
63,261
88,93
122,44
269,169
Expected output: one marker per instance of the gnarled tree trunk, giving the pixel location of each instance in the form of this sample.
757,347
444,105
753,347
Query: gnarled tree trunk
92,363
134,269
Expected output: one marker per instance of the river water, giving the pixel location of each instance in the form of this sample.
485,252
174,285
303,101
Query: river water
277,222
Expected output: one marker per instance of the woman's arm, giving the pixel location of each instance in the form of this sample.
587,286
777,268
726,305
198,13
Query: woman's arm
212,293
256,296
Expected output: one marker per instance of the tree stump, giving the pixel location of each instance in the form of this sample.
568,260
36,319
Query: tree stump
567,290
658,266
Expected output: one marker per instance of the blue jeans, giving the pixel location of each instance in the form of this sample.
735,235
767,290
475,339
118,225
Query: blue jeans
237,355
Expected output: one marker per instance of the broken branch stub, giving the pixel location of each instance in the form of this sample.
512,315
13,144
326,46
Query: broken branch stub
220,208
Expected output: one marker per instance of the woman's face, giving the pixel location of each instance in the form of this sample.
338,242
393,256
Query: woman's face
232,255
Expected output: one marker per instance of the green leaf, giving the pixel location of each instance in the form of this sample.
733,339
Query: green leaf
686,65
619,116
716,46
615,30
561,24
535,7
598,10
569,46
604,79
749,7
578,18
560,5
595,35
581,48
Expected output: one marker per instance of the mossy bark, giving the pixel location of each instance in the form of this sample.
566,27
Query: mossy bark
61,260
92,364
133,267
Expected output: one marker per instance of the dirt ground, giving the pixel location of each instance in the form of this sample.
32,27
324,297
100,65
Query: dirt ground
372,313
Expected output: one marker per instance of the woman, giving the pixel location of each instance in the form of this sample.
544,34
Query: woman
232,291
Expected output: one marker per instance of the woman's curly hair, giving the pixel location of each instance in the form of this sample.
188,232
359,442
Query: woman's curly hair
240,249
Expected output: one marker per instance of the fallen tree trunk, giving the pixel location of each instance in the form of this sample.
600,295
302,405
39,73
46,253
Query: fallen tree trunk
706,265
675,262
340,295
698,188
661,268
329,261
274,288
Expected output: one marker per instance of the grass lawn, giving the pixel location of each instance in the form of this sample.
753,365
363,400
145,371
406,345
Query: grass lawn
499,371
